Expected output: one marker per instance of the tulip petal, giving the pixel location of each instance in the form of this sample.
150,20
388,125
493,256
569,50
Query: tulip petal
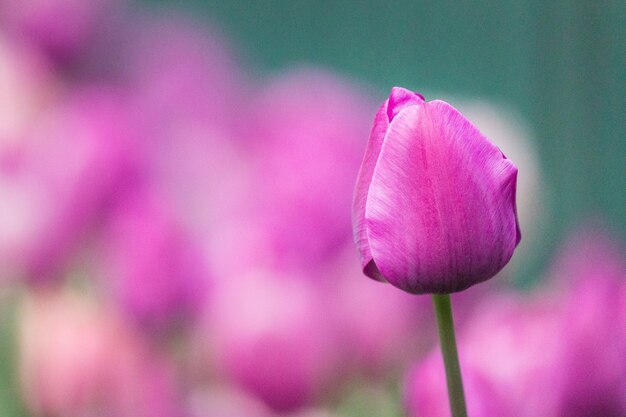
381,123
401,98
440,211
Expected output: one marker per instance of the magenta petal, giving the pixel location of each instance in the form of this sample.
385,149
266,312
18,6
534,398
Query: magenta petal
401,98
381,123
440,211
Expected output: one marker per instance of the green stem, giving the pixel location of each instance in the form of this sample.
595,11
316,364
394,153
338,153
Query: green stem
450,356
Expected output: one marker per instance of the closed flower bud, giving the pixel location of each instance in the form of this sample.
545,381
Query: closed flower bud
434,206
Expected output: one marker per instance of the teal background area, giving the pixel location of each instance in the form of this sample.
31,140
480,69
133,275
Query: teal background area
560,64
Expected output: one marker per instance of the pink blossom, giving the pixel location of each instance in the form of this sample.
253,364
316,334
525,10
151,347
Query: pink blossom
181,72
510,355
379,329
156,272
515,343
590,272
28,86
434,206
60,27
508,130
270,335
426,393
58,177
306,129
77,358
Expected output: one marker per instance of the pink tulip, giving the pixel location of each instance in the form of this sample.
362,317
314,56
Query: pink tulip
270,336
305,131
558,353
185,87
515,344
58,177
28,85
78,358
508,130
61,27
590,252
510,359
379,329
434,207
206,180
594,345
181,73
591,273
156,272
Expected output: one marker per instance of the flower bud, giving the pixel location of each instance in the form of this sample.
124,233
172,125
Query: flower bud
434,206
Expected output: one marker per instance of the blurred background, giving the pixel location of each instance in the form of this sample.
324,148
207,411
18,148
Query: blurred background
175,189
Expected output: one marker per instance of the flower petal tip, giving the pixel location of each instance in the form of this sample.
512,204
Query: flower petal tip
371,270
401,98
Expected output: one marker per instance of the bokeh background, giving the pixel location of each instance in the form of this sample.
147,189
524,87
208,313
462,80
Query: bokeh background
175,190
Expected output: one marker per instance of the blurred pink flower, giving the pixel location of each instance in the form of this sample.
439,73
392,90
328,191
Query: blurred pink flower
28,86
271,336
60,27
207,182
514,343
186,88
434,207
594,345
591,274
57,179
559,352
378,329
590,252
306,130
78,359
510,355
426,393
157,273
181,72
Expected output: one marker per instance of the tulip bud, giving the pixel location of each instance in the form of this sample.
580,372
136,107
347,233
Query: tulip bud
434,206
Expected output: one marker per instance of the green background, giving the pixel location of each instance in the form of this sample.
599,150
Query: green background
560,64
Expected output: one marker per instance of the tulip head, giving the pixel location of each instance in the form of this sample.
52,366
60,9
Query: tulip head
434,206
